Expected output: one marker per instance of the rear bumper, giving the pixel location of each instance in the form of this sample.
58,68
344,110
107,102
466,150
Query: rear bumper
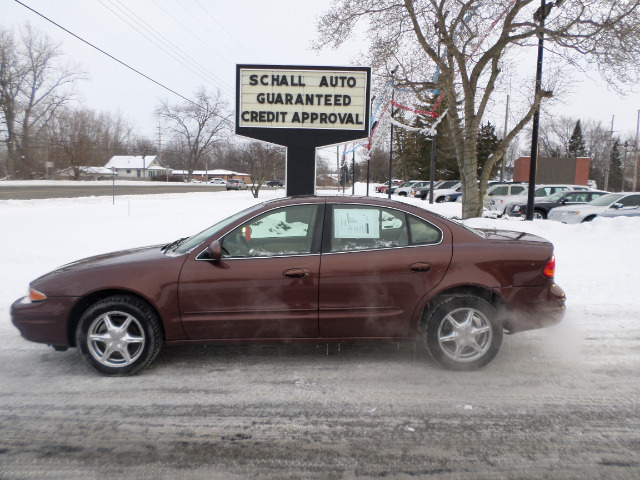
43,322
534,307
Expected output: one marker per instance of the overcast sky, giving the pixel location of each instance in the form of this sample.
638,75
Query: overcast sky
207,39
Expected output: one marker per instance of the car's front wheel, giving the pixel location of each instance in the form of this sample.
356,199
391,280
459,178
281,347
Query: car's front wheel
462,332
539,214
119,335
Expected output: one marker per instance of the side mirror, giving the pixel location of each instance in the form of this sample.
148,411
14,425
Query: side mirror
617,205
215,250
563,201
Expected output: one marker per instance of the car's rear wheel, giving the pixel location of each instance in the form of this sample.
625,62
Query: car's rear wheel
119,335
462,332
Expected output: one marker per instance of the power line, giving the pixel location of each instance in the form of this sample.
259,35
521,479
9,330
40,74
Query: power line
110,56
198,19
191,32
212,79
237,42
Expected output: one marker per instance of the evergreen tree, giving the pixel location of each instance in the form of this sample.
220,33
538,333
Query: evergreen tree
615,169
416,151
576,142
487,144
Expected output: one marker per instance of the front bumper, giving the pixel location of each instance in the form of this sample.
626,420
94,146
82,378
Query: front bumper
43,322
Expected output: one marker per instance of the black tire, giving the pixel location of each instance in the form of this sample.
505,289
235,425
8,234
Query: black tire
589,219
462,332
440,200
541,214
119,335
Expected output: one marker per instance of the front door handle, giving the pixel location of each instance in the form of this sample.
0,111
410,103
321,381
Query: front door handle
421,267
297,273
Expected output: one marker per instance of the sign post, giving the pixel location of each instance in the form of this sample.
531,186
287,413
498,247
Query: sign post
302,108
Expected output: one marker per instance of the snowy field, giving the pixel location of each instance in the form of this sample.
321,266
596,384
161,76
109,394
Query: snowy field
597,262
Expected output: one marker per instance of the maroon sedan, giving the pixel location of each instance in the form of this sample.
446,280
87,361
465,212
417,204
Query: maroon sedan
303,269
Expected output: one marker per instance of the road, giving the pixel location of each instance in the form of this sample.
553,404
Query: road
550,406
9,191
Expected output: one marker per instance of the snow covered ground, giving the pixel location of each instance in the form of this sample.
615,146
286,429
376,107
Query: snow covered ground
558,403
597,262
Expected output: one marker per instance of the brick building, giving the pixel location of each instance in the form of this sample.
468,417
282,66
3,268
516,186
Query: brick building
573,171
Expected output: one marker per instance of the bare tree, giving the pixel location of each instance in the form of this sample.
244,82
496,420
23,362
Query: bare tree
80,138
33,87
555,134
259,159
479,40
196,126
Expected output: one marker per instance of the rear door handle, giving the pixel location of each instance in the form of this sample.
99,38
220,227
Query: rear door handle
422,267
297,273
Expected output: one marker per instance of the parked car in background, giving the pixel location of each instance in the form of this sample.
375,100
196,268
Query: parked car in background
395,188
217,181
275,183
290,271
498,203
610,203
423,192
385,186
439,194
502,190
405,189
235,184
542,206
453,197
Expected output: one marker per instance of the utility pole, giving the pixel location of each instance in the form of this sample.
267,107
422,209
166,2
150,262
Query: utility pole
635,155
393,91
540,16
166,170
338,167
606,171
353,173
504,135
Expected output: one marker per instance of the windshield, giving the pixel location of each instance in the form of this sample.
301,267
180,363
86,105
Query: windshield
203,235
606,200
448,184
556,197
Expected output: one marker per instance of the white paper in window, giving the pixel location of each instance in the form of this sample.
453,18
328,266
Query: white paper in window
356,223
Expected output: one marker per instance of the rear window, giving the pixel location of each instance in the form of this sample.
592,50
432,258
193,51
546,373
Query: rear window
367,227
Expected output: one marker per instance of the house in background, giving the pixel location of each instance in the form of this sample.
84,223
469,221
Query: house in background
134,167
207,175
86,173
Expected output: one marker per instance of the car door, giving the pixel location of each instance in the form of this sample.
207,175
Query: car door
630,202
377,264
264,286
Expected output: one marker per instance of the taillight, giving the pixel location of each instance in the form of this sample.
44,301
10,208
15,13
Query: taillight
549,269
36,296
